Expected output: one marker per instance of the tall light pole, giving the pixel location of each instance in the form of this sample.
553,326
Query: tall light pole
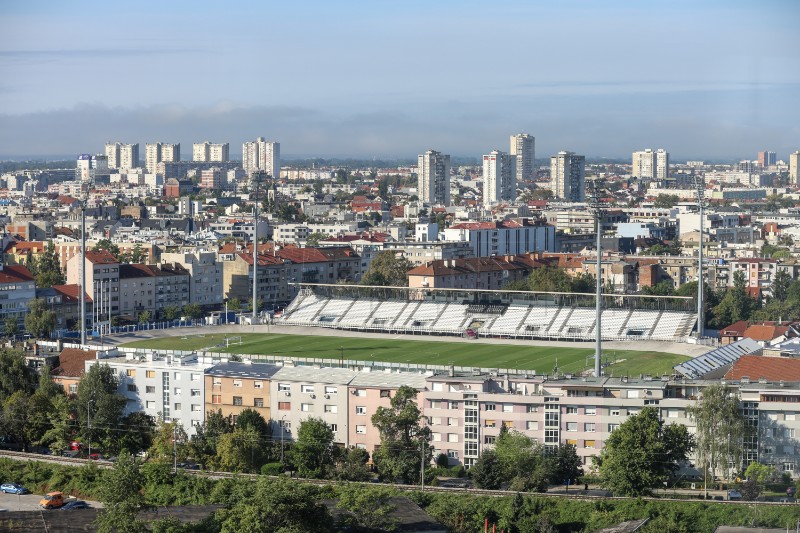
256,178
283,430
84,201
596,206
699,182
89,426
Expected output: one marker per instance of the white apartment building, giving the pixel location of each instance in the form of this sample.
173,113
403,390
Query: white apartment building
262,155
433,177
206,275
102,281
568,176
499,177
122,156
88,166
161,385
523,146
502,238
650,164
794,166
155,153
210,152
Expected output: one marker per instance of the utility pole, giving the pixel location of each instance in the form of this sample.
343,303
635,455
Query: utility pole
175,448
422,465
701,188
596,206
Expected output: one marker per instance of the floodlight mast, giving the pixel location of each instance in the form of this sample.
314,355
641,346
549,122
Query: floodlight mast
84,201
699,182
596,206
257,177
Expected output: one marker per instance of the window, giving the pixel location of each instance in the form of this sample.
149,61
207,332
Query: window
437,437
196,393
177,391
790,417
589,427
195,377
176,376
258,384
196,408
305,407
490,407
150,374
508,408
489,439
614,412
131,373
361,392
258,402
672,413
588,444
131,387
237,400
508,424
590,411
452,454
284,406
73,388
573,442
217,381
216,399
149,389
331,409
452,437
533,408
330,390
150,405
361,430
532,425
452,421
613,427
361,410
489,423
237,382
572,426
452,405
334,427
284,387
177,407
307,389
384,393
572,410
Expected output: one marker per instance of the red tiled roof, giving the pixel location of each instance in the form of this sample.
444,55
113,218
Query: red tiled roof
764,332
21,246
71,362
136,270
315,255
15,274
101,256
71,292
263,259
769,368
736,329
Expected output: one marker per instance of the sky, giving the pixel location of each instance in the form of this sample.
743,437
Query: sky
713,80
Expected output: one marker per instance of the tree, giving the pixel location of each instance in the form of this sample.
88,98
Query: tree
240,451
145,317
235,304
172,312
11,327
522,461
99,406
780,285
314,239
136,435
404,440
642,453
736,305
137,255
756,475
40,320
108,246
487,472
169,441
28,416
662,288
666,201
193,310
48,268
351,465
549,279
121,493
566,464
203,444
250,418
312,453
370,508
15,374
388,269
720,429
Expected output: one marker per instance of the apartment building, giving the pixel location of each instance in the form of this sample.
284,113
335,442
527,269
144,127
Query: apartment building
509,237
205,273
155,153
17,289
165,387
499,177
207,152
65,302
237,278
758,272
320,265
122,156
484,273
212,179
650,164
568,176
433,178
232,387
262,155
523,146
794,167
137,285
420,253
102,279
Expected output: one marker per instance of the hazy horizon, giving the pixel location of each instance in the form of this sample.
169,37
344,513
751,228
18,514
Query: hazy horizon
715,80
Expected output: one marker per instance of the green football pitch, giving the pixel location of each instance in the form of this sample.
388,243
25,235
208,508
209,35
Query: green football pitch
542,359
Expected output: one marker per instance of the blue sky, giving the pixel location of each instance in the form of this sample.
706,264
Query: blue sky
713,79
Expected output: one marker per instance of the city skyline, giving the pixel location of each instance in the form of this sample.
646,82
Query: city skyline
343,81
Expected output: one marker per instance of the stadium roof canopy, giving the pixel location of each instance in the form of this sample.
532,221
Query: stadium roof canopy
716,363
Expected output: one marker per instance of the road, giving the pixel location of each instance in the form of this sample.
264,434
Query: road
30,502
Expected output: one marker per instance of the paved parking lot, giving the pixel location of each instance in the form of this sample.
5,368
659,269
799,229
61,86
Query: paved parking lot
28,502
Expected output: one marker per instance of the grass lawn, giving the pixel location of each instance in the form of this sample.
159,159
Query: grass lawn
542,359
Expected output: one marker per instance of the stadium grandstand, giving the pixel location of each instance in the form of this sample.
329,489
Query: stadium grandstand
506,314
714,364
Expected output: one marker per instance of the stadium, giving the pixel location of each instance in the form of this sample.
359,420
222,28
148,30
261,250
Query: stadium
503,314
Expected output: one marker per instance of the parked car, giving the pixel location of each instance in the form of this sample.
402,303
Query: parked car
52,500
77,504
95,456
734,495
75,445
13,488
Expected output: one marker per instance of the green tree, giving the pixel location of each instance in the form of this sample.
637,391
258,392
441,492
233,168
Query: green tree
169,442
642,453
522,461
15,374
736,305
137,254
193,311
107,245
662,288
235,304
388,269
145,317
369,507
666,201
240,451
48,268
721,429
120,492
172,312
315,238
203,444
40,320
549,279
780,285
487,472
11,327
312,452
351,465
99,406
404,440
136,435
566,464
